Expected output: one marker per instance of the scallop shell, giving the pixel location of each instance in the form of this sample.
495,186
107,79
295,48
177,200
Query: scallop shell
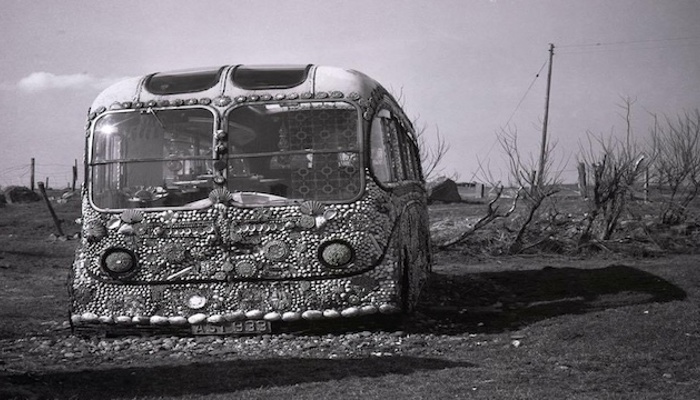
131,216
311,207
95,230
220,196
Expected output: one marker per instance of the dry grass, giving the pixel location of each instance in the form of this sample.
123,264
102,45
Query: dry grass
546,326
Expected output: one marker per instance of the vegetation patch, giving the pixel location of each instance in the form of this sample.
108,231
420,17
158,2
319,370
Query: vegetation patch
548,323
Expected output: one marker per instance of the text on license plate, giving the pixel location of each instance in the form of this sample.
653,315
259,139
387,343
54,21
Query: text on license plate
233,328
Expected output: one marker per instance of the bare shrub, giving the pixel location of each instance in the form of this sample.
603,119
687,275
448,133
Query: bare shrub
614,166
492,213
536,181
534,184
676,149
432,152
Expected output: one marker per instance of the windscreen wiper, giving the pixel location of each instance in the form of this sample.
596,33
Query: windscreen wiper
151,111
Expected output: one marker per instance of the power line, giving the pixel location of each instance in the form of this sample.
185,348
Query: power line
537,75
608,50
14,168
532,83
624,42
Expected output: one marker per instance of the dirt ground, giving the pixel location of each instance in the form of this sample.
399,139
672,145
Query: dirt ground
535,327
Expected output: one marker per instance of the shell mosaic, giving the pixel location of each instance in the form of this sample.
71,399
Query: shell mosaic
278,271
228,263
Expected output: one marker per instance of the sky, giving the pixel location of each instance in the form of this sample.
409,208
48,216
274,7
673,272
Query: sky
465,68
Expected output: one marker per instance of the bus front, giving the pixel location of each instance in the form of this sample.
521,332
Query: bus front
229,216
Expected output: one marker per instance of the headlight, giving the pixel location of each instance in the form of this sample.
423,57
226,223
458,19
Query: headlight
119,263
336,254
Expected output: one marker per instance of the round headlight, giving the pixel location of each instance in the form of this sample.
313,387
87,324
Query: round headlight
336,254
119,262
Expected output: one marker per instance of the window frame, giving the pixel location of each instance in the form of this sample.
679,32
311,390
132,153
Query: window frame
359,152
401,149
91,164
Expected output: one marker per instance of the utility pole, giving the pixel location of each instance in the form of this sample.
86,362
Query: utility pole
543,149
75,174
31,176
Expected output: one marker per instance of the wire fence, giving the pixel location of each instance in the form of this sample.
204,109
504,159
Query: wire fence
58,175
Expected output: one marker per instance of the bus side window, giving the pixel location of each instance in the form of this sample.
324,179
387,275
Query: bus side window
415,160
405,158
409,154
379,151
387,161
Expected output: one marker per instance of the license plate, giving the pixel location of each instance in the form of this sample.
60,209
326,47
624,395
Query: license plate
247,327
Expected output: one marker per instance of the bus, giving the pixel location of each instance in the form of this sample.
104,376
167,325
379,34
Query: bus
243,198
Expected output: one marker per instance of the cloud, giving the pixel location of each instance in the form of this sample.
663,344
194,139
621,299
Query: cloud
43,81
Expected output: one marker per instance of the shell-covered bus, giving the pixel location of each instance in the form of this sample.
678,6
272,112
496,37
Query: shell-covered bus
235,199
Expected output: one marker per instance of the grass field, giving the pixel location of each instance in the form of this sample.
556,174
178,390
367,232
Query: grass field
527,327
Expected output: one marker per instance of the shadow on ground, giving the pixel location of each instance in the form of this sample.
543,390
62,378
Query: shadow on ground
498,301
208,378
492,302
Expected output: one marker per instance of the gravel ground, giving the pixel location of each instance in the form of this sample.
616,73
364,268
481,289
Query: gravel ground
59,350
54,347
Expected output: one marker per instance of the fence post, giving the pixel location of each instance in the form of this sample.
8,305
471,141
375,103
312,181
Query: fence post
582,182
56,221
75,174
31,176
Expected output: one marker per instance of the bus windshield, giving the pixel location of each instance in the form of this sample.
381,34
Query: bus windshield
276,154
294,151
152,158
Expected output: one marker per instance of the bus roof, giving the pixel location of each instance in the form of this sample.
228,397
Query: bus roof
220,86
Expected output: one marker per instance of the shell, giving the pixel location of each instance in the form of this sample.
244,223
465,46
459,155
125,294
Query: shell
158,320
235,316
312,315
89,317
330,213
114,223
220,195
167,215
196,302
174,252
331,314
291,316
177,320
272,316
276,250
368,310
254,314
311,207
350,312
197,319
131,216
307,222
245,268
95,230
126,229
